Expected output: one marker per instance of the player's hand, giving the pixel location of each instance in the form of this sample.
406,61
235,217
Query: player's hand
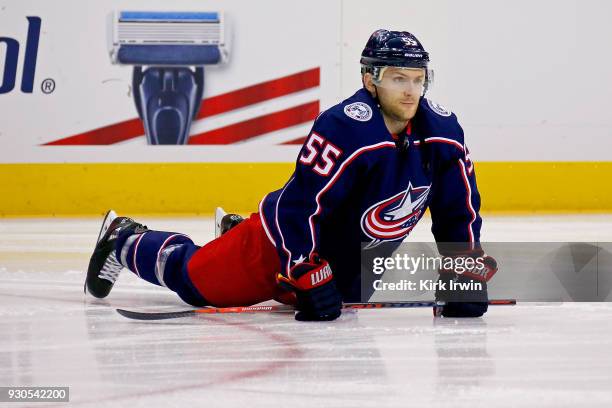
470,302
315,289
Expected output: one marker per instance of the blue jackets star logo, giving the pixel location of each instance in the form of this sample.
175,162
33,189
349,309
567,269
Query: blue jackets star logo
392,219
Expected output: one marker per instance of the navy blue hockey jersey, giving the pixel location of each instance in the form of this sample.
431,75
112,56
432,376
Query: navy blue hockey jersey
352,187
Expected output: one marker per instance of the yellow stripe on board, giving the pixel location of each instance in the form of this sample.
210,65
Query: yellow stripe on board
136,188
197,188
545,186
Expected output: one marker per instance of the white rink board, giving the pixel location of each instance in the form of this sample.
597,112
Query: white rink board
529,80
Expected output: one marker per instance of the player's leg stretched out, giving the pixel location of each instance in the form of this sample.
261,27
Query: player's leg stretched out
235,269
239,268
123,242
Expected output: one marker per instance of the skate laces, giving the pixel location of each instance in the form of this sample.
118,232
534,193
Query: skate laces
111,269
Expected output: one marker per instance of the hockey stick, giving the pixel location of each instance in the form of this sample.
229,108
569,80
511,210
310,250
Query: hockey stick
283,309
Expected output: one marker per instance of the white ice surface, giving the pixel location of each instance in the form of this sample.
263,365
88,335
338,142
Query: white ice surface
51,334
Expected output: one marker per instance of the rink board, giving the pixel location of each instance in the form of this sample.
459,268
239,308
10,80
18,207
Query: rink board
540,142
197,188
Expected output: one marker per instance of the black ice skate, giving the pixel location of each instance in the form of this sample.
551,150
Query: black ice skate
104,268
225,222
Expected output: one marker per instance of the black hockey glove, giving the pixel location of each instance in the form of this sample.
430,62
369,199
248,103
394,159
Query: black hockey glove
463,292
315,289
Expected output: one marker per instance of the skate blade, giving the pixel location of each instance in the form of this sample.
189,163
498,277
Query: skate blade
219,214
108,218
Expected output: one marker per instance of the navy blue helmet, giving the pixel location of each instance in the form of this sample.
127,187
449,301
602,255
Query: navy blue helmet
394,49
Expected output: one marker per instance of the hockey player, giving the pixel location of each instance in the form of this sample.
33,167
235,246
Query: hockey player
368,170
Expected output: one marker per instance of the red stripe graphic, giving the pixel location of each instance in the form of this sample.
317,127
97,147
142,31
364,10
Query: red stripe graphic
106,135
259,93
215,105
242,131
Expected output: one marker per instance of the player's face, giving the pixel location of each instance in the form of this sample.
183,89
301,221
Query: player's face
399,91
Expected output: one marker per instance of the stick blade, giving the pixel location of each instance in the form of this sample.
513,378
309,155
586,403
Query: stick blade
155,316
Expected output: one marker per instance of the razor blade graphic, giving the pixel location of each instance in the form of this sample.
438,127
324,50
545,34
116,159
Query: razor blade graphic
168,51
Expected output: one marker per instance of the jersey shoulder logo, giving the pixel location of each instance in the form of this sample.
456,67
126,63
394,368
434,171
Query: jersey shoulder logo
393,218
359,111
438,108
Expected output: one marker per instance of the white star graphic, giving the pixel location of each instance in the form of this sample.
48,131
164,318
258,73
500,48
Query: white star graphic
407,206
301,259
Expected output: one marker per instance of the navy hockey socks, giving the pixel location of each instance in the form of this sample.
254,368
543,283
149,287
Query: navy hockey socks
160,258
